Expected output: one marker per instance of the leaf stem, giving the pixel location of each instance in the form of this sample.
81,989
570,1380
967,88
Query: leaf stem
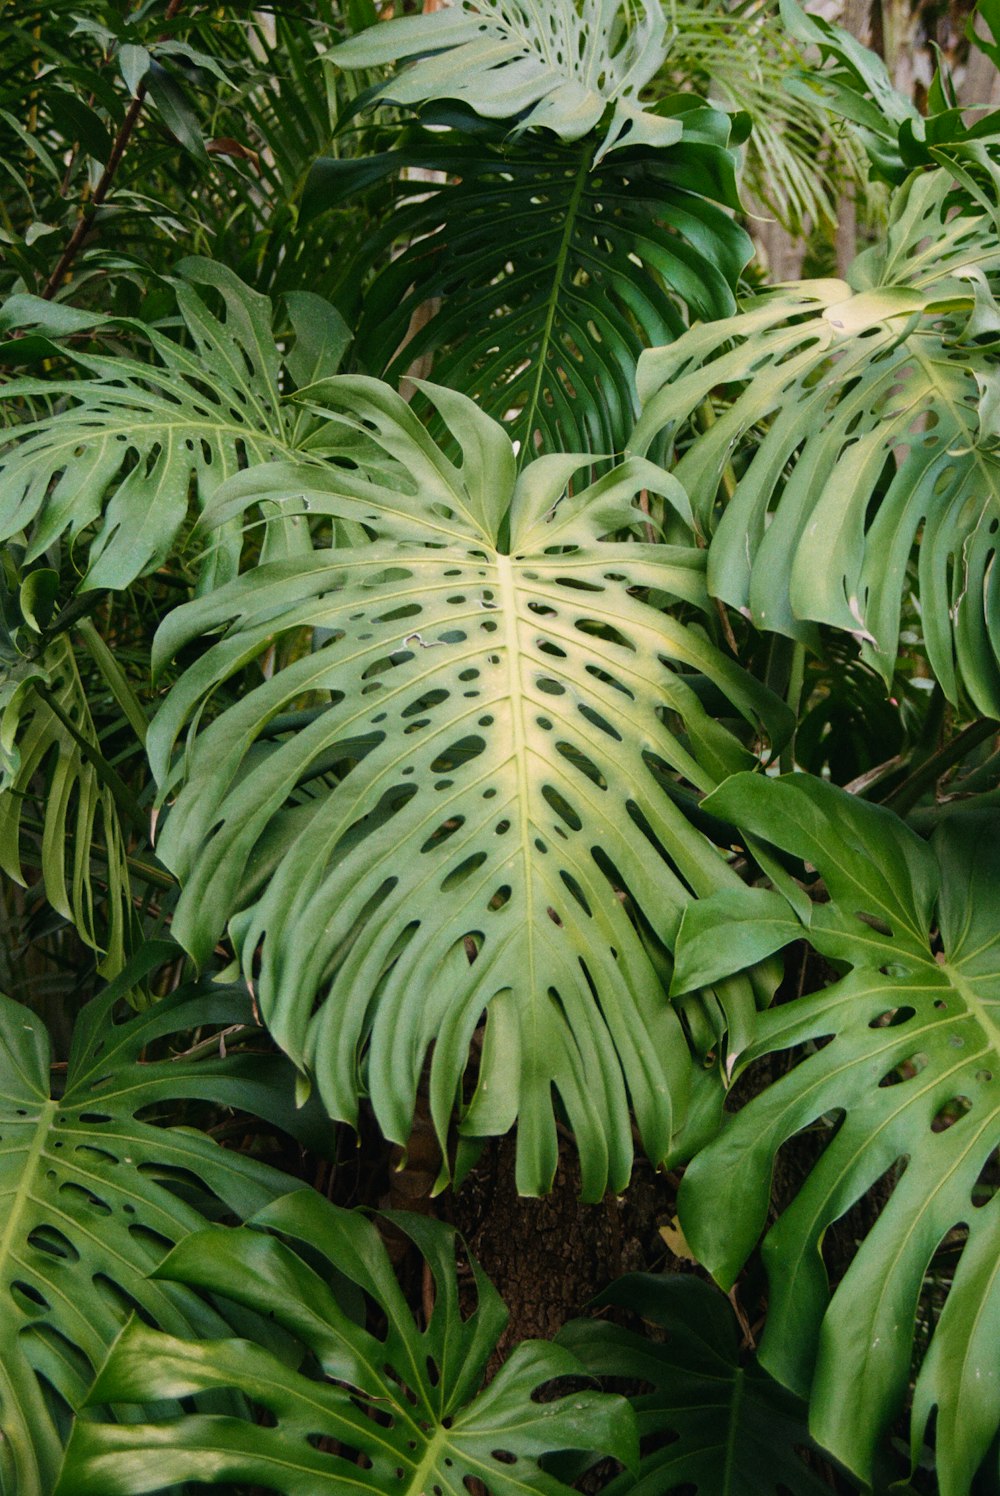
114,678
572,209
906,795
793,697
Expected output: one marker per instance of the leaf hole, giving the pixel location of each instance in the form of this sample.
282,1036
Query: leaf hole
446,829
988,1181
462,752
465,869
576,891
87,1151
55,1243
599,721
873,922
28,1298
562,808
432,699
906,1070
892,1017
951,1112
580,761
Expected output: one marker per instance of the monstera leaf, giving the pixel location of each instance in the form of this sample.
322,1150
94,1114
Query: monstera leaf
404,1411
715,1424
132,440
534,275
457,800
93,1197
548,63
909,1054
864,421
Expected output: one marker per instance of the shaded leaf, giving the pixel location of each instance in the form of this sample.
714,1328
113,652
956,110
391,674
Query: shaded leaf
717,1425
543,322
92,1197
912,1061
410,1403
50,765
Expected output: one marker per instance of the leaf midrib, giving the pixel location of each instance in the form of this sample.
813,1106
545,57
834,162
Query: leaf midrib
46,1116
559,270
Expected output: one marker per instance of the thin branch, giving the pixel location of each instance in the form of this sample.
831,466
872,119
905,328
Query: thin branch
87,214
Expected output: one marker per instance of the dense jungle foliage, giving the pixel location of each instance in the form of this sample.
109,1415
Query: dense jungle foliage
499,751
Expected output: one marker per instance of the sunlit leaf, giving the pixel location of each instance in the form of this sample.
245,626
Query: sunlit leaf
473,816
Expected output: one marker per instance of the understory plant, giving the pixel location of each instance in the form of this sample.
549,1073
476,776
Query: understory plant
474,660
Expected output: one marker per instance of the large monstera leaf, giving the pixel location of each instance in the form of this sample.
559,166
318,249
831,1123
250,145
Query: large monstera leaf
115,471
534,276
457,800
545,63
402,1412
710,1421
92,1197
863,422
909,1054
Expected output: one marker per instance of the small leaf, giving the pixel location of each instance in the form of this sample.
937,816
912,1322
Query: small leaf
174,109
322,337
37,597
135,63
728,932
81,123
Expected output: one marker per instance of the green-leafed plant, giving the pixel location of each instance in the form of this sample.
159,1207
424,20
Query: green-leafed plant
442,747
492,682
543,324
403,1411
135,440
93,1196
911,1065
711,1422
863,417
